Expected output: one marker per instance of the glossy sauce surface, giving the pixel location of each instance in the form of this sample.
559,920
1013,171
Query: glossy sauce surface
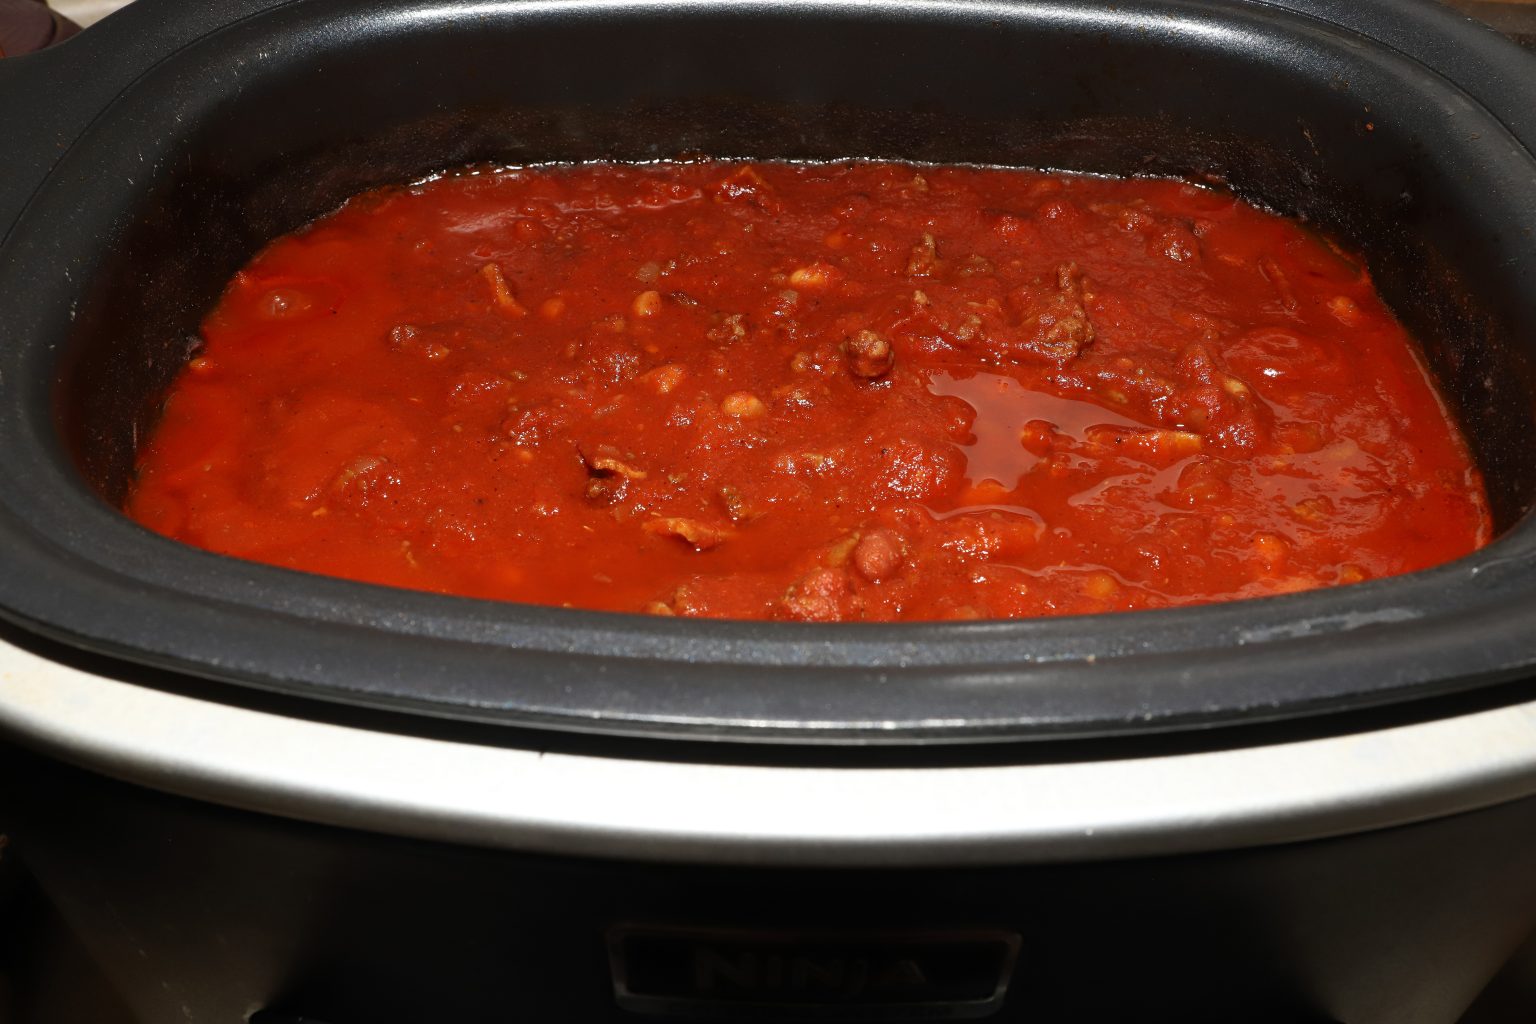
818,392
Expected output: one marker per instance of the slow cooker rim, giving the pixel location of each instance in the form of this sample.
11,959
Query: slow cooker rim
766,816
1495,600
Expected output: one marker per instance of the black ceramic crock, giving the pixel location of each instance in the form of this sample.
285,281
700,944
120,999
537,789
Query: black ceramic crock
142,163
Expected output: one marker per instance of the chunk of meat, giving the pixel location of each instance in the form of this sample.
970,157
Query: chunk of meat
501,292
1054,323
923,261
1218,406
605,459
878,554
822,595
746,187
608,474
698,533
869,355
731,328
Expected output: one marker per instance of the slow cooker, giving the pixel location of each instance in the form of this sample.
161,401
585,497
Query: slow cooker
257,792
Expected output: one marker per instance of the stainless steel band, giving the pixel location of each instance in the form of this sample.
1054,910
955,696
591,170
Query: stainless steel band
560,803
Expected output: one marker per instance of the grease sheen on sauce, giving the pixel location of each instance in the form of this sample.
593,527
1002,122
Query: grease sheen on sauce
823,392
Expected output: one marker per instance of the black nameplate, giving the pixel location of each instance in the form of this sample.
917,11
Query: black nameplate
829,976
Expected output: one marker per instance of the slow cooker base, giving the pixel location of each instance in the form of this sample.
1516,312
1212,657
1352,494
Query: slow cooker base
203,913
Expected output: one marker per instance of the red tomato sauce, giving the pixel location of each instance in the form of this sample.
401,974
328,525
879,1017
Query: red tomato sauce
811,391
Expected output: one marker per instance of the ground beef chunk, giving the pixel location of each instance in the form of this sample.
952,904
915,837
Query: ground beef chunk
869,355
1054,323
821,595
